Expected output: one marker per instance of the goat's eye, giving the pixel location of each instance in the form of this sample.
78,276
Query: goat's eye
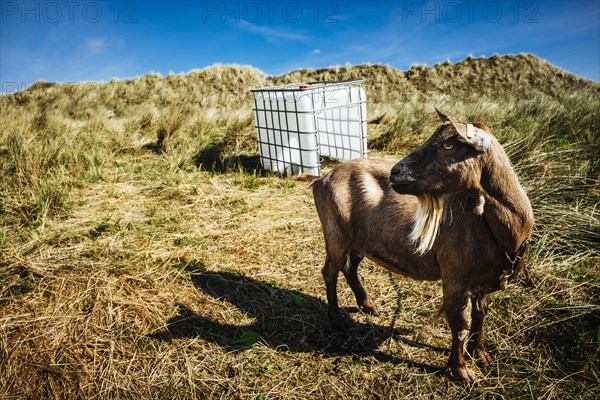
448,146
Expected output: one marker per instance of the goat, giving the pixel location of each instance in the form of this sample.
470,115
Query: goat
452,210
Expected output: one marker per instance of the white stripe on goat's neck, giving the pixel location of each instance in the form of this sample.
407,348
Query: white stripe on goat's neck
371,189
428,215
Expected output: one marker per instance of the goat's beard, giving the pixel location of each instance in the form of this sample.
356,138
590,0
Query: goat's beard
428,215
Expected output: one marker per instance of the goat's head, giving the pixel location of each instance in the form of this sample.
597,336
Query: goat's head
449,161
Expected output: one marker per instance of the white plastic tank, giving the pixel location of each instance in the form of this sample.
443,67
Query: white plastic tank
287,134
341,116
298,123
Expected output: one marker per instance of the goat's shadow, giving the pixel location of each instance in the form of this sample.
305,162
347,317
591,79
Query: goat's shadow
283,319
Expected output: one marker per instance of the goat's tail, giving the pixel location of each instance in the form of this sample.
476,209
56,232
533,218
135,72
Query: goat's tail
307,178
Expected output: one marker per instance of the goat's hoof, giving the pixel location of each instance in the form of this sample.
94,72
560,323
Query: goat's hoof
342,325
368,306
338,322
463,374
481,357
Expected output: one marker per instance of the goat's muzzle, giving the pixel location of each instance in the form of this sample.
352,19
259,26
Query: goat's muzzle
401,179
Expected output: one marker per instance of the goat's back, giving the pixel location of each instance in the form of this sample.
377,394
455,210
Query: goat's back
359,190
362,215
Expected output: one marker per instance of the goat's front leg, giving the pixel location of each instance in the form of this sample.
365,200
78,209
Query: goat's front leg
455,305
475,345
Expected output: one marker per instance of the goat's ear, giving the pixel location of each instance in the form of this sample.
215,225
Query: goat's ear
446,118
468,133
472,135
443,116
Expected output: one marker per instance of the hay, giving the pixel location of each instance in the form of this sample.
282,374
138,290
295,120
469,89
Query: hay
127,272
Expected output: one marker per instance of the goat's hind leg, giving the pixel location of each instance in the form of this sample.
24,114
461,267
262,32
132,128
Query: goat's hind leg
331,270
350,273
475,346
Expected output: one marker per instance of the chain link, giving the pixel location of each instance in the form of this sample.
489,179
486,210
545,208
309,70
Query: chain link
398,303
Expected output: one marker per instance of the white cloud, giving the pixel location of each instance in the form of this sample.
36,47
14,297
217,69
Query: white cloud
272,33
316,51
95,45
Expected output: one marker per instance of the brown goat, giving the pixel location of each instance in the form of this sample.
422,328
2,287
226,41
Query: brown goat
452,210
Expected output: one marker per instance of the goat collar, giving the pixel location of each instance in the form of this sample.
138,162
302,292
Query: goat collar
515,264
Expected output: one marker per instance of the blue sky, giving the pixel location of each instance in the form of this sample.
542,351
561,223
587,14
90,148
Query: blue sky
67,41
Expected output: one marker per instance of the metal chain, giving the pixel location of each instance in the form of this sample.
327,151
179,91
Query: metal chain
398,303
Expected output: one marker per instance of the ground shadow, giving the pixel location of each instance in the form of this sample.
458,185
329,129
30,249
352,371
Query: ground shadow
153,147
283,319
212,158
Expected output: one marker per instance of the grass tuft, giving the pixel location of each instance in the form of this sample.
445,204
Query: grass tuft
144,254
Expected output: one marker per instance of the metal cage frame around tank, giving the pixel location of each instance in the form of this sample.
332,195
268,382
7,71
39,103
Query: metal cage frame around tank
286,148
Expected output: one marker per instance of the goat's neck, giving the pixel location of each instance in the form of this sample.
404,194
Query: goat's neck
507,210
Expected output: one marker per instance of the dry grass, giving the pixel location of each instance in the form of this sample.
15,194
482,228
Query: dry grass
126,271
